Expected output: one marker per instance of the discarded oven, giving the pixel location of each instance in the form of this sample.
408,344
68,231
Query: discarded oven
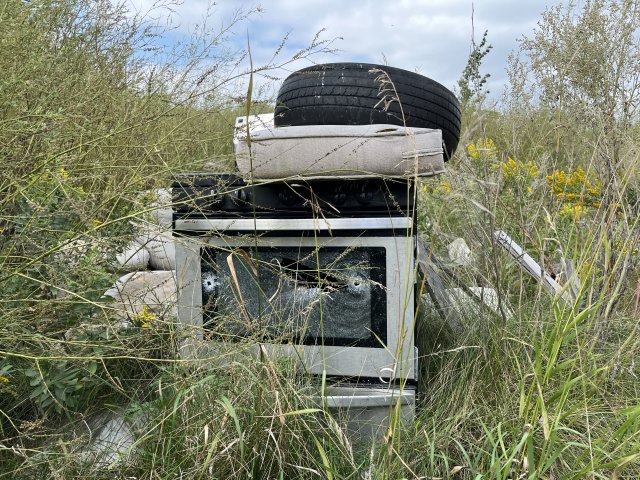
320,272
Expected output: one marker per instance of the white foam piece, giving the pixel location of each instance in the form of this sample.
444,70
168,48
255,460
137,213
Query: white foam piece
352,151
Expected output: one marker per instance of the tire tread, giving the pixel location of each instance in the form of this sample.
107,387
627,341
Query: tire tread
349,93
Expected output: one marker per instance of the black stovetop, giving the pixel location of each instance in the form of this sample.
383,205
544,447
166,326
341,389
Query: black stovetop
222,196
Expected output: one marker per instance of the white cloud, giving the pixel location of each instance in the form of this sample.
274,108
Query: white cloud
428,36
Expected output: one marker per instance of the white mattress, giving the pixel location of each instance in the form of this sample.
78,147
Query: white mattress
340,151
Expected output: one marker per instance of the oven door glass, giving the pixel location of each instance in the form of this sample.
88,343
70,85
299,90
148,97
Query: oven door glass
305,295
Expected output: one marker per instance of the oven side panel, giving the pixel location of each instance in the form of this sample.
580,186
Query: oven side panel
401,309
189,300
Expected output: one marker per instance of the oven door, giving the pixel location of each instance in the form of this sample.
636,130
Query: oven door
338,305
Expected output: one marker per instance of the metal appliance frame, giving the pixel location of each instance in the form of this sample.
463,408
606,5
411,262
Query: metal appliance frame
392,362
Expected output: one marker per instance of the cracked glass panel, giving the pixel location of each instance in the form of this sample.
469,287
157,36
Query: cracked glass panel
296,294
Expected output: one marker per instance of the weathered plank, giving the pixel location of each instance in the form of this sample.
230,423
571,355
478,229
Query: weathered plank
532,267
441,299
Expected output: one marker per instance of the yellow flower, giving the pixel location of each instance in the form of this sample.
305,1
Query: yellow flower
558,181
531,169
575,210
569,196
64,173
144,318
594,189
483,148
576,186
445,187
514,168
4,379
509,168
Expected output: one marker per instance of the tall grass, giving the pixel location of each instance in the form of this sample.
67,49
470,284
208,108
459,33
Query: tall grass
550,392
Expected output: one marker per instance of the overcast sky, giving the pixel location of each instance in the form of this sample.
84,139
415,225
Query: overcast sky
431,37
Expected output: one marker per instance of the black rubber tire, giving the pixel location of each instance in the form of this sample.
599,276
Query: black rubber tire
353,94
